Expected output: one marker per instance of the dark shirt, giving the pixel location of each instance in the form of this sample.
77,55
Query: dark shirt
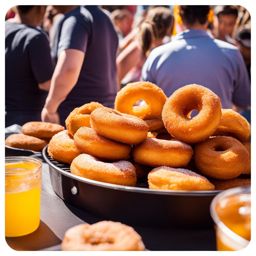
27,63
90,30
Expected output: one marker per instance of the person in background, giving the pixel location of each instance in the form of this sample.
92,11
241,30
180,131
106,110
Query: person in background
194,56
28,65
152,32
86,68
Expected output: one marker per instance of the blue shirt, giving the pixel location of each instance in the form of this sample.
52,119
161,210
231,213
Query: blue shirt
193,56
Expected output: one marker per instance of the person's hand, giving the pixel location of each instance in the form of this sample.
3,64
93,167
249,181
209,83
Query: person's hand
46,116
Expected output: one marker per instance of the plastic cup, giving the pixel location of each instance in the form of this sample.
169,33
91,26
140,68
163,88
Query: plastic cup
231,212
22,195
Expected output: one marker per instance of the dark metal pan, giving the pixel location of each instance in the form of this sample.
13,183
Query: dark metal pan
131,205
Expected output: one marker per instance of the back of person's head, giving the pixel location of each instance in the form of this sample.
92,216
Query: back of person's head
192,14
157,24
25,9
231,10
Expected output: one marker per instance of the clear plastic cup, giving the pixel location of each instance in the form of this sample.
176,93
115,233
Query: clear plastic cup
231,212
22,195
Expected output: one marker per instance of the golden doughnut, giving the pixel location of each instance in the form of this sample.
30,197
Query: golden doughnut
232,183
120,173
177,110
167,178
80,117
102,236
23,141
153,97
156,152
89,142
155,124
248,147
118,126
62,147
233,124
42,130
221,157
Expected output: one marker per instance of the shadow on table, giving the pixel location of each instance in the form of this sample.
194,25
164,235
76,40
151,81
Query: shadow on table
41,238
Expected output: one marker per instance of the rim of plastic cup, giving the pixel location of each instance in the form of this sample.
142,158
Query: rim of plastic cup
19,159
232,191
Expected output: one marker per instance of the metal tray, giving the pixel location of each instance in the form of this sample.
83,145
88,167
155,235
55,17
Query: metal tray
132,205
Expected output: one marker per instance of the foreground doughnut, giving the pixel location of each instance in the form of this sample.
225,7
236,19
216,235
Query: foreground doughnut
167,178
102,236
62,147
232,183
42,130
156,152
25,142
155,124
233,124
151,94
177,110
221,157
89,142
118,126
248,148
120,173
80,117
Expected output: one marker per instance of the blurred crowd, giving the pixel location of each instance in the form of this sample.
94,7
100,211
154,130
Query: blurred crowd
61,57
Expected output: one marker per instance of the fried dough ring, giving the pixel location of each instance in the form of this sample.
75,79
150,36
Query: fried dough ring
248,147
42,130
155,124
178,107
62,147
151,94
120,173
221,157
167,178
232,183
233,124
80,117
119,127
89,142
156,152
102,236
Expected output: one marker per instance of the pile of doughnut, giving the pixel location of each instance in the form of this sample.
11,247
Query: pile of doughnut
34,135
184,142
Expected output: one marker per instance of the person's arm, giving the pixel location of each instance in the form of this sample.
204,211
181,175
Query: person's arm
64,79
45,86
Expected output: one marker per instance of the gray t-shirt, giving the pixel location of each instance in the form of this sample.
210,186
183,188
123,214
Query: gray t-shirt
195,57
89,29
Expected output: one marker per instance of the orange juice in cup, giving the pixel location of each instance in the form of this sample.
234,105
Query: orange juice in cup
22,195
231,212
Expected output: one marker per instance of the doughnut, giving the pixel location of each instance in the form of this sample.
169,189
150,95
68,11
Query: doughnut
248,148
80,117
118,126
177,111
153,100
23,141
232,183
156,152
221,157
155,124
42,130
89,142
62,147
102,236
233,124
120,173
167,178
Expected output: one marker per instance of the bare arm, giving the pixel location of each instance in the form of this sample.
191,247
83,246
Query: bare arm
45,86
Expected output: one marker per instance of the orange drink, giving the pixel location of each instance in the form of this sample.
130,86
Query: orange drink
231,212
22,195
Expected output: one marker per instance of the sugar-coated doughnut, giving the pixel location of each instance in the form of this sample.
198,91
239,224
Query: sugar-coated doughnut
89,142
121,172
167,178
177,111
42,130
156,152
232,183
117,126
153,97
221,157
80,117
62,147
233,124
102,236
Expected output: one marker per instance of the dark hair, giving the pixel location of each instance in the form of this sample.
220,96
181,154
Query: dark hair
228,10
191,14
24,8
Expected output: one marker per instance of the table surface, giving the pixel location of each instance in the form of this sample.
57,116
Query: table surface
57,216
